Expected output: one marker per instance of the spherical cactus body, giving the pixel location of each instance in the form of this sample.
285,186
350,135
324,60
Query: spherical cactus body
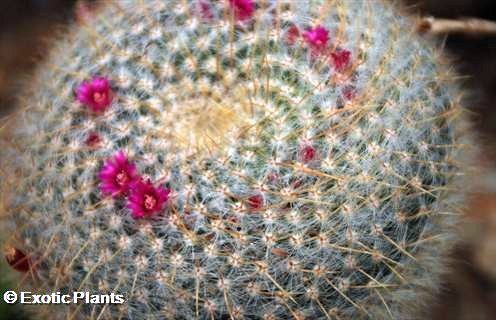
237,160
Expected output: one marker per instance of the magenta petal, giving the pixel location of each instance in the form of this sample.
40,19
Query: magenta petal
317,38
100,84
107,188
341,59
205,10
107,175
96,94
117,175
83,92
146,199
243,9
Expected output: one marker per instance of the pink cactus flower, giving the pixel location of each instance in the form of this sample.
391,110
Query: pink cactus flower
96,94
145,200
243,9
93,140
292,35
117,175
317,38
205,10
307,153
256,202
341,59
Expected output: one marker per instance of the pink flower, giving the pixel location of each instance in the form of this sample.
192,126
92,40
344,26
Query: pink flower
256,202
117,175
205,10
93,140
292,35
307,153
317,38
243,9
96,94
146,199
340,59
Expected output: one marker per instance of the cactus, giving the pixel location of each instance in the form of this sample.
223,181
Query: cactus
238,159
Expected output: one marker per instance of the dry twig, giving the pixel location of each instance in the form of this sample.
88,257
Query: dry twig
470,26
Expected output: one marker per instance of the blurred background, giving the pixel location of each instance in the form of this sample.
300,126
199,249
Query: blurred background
469,291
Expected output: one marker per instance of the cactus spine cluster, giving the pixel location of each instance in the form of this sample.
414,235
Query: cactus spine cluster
309,148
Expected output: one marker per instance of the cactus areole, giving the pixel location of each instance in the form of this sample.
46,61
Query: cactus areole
189,156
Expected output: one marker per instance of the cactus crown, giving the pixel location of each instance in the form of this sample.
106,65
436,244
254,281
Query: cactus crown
288,159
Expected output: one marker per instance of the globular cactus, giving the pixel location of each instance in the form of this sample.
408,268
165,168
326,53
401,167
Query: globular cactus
237,159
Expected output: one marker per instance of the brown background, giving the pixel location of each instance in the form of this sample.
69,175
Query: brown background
469,291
